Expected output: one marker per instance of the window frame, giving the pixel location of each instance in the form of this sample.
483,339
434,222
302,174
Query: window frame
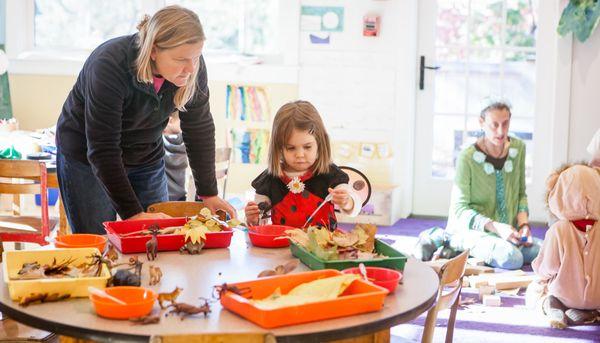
25,58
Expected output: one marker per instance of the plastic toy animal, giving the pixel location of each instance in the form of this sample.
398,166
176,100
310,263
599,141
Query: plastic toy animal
184,310
149,319
111,253
172,296
220,290
192,248
155,275
152,244
124,277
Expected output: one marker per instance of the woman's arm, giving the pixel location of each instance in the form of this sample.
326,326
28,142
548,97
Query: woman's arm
460,199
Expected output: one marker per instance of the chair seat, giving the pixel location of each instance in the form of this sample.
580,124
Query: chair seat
23,224
13,331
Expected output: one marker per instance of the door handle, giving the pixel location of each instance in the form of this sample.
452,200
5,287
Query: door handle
422,68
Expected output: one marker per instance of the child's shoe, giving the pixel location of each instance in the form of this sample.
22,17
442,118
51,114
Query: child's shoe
580,317
555,311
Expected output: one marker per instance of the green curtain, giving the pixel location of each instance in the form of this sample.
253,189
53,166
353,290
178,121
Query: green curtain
5,106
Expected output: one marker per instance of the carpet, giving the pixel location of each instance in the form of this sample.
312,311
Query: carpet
510,322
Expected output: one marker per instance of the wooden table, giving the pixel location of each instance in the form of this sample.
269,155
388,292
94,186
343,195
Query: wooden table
198,274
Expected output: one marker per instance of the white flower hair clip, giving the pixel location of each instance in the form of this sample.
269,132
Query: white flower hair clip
295,185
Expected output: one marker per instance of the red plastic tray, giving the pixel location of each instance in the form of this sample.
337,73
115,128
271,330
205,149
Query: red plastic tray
137,244
264,236
359,297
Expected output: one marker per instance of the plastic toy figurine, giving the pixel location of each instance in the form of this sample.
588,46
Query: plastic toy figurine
155,275
184,310
152,244
172,296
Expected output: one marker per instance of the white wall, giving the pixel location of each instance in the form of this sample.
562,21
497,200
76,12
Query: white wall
585,96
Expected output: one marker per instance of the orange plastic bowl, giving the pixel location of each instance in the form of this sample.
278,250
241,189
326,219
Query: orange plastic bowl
384,277
264,236
139,301
81,240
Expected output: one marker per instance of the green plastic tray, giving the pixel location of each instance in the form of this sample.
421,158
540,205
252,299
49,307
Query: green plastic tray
394,260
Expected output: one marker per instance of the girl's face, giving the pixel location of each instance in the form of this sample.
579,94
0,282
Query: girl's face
495,126
300,151
177,64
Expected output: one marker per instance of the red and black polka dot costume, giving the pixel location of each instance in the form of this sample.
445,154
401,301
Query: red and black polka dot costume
293,209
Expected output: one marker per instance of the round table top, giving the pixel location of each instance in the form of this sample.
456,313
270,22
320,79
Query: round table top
198,274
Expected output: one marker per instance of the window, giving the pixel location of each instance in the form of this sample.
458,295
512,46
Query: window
486,51
238,26
82,24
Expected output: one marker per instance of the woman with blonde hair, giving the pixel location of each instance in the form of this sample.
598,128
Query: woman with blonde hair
109,134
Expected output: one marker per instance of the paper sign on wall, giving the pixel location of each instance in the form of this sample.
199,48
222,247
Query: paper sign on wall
322,18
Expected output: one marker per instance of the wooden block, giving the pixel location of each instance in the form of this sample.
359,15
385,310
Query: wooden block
476,270
491,300
511,282
486,278
474,261
486,290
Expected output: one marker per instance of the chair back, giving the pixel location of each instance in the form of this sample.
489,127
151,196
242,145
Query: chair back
25,177
359,183
177,208
222,162
451,275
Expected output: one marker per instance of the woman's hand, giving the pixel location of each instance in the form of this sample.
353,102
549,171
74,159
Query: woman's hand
505,231
341,198
252,212
146,215
215,203
525,237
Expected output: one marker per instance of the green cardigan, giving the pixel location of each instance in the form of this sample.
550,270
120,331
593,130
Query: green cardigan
482,193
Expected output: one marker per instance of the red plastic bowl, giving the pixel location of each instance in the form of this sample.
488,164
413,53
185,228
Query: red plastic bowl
139,302
264,236
81,240
384,277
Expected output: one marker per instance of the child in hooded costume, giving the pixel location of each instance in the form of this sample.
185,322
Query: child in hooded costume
568,264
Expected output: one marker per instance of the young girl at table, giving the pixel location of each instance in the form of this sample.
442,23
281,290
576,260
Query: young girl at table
300,174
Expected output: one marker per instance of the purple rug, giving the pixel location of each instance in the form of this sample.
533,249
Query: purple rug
510,322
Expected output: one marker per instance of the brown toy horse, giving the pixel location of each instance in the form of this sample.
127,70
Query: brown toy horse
152,244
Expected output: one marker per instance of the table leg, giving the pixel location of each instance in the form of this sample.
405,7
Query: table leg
382,336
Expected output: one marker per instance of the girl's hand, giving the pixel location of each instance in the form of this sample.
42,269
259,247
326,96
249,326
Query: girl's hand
252,212
215,203
525,236
341,198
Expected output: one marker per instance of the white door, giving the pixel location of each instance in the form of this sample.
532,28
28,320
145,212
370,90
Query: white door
485,51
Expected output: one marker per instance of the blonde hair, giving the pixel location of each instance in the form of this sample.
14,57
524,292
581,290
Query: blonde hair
299,115
168,28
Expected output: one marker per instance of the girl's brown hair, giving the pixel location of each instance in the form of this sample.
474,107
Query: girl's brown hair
299,115
168,28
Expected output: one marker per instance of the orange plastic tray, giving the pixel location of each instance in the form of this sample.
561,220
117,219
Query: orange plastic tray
359,297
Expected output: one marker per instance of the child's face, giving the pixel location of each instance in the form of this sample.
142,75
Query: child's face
300,151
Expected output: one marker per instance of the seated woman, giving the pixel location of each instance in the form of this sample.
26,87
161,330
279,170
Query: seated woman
488,207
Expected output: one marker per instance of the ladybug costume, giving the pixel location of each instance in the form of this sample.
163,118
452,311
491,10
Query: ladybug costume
293,209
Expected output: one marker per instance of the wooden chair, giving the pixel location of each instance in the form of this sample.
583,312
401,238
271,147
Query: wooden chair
177,208
451,275
359,182
222,162
26,177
